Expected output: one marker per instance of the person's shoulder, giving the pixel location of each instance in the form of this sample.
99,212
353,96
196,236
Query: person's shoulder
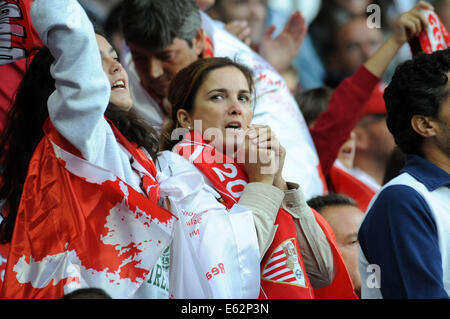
398,204
399,197
397,194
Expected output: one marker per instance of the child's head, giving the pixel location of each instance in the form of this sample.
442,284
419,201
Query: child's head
313,102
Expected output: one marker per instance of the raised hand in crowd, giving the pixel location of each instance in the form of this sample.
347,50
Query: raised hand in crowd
407,26
279,51
240,29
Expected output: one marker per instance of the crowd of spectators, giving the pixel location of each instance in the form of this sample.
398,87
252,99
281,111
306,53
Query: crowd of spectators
354,127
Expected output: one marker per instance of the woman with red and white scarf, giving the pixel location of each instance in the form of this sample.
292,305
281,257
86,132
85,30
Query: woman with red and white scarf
211,111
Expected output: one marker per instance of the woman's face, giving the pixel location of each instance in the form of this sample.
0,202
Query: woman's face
223,105
118,77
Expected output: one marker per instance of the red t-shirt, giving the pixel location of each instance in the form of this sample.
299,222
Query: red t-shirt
333,127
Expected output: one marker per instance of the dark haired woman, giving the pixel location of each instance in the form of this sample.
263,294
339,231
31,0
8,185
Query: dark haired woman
212,109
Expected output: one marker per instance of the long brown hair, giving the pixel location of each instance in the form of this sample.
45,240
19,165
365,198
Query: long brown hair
184,87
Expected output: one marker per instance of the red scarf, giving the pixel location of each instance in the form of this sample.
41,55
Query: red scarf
283,273
79,225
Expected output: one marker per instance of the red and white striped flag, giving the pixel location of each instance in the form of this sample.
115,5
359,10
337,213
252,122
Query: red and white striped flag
283,265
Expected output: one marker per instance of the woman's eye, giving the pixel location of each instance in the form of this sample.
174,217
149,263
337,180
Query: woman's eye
244,98
217,97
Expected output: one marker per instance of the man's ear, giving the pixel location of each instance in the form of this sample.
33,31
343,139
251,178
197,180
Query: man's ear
184,119
425,126
361,138
198,44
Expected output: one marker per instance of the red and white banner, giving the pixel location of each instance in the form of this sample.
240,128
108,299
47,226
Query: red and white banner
283,273
80,226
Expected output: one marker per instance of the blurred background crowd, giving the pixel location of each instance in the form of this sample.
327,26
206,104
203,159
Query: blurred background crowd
339,38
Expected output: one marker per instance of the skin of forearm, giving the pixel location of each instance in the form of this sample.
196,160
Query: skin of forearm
379,62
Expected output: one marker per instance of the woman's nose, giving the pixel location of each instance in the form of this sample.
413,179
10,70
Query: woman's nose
235,107
115,67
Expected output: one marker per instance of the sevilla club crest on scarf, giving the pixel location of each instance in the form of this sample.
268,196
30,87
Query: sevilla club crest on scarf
283,265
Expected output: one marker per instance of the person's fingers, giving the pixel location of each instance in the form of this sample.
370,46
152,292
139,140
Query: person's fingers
268,139
240,29
263,133
422,19
252,136
273,145
269,32
266,156
244,34
409,27
423,5
296,26
417,24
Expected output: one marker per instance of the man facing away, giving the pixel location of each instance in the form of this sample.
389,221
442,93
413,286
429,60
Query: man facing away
405,235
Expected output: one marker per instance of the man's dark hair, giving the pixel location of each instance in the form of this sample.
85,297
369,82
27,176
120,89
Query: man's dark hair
419,86
112,22
87,293
154,24
331,199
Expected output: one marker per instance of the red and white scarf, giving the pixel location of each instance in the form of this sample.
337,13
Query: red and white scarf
283,273
434,38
